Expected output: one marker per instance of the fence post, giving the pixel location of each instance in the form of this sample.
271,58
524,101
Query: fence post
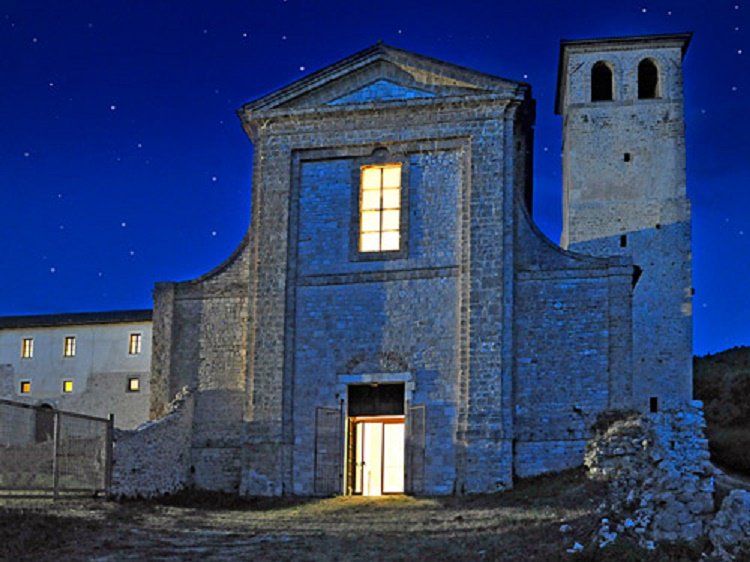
109,456
56,454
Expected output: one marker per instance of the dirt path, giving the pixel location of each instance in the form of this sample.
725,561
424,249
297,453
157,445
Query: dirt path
518,525
521,525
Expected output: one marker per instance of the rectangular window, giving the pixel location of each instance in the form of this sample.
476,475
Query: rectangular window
653,404
380,208
67,386
27,348
25,387
69,348
134,384
134,344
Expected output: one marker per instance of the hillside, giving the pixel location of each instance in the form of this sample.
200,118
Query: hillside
722,381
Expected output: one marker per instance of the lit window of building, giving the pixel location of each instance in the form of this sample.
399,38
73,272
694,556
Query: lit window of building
69,348
134,384
134,344
27,348
380,208
25,387
67,386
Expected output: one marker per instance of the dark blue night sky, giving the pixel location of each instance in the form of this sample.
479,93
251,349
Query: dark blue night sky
122,162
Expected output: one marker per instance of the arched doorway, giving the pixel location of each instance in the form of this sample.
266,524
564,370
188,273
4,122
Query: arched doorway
44,423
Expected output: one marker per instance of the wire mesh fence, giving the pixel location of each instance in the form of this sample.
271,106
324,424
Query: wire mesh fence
43,450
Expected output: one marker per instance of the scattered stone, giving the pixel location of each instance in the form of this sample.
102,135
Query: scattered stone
577,547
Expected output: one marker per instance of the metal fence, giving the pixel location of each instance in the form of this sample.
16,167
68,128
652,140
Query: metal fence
44,450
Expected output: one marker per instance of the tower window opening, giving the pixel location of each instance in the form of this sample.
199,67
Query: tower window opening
601,82
648,80
623,241
626,157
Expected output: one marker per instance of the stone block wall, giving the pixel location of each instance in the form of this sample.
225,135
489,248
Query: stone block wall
662,310
572,349
624,193
155,458
200,341
351,315
444,298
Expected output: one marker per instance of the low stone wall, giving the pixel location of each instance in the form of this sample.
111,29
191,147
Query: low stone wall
154,459
729,532
661,485
660,476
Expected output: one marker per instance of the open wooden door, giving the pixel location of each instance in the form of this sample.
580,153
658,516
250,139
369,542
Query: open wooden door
328,445
415,449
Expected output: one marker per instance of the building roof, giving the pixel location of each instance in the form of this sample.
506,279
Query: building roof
75,319
435,68
664,39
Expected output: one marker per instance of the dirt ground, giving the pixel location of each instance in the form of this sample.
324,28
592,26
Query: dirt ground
520,525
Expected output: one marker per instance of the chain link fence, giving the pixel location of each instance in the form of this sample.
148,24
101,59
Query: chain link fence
43,450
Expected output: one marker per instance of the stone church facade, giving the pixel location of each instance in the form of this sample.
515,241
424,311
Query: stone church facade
394,320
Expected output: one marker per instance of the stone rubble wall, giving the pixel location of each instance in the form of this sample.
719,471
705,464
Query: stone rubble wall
661,484
154,459
662,487
729,532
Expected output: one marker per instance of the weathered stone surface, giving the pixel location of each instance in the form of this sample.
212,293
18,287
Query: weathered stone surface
730,530
624,193
659,476
155,458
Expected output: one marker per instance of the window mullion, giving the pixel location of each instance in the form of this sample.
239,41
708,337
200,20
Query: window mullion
380,191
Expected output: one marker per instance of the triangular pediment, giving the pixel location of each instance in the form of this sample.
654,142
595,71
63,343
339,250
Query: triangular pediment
382,75
381,90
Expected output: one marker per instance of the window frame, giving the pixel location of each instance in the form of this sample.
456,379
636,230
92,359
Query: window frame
30,348
67,339
138,337
21,384
379,157
129,386
72,386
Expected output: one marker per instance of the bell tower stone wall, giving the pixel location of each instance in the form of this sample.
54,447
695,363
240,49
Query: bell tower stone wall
624,192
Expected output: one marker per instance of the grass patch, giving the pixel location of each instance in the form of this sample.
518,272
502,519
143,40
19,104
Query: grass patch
722,381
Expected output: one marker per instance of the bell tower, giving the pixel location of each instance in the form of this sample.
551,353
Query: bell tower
624,191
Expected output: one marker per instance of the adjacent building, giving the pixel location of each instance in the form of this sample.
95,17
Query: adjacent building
94,363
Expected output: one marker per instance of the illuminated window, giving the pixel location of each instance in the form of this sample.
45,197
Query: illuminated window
27,348
69,348
380,208
67,386
25,387
134,344
134,384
